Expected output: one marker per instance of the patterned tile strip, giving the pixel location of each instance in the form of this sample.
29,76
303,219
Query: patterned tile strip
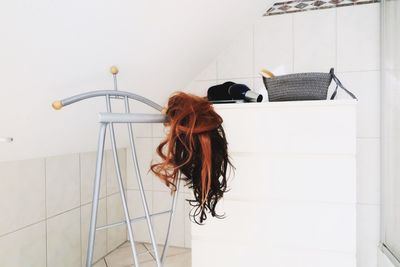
307,5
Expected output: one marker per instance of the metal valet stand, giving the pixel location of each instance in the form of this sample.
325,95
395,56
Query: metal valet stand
107,120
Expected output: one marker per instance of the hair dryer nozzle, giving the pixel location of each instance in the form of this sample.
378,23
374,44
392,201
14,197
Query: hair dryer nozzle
251,96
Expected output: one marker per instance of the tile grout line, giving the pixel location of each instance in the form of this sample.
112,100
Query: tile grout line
80,208
359,71
369,138
24,227
61,213
126,181
364,204
104,167
336,39
254,54
88,203
45,206
293,43
216,70
109,253
151,254
255,77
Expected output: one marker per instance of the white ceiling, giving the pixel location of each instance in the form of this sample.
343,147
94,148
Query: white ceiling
54,49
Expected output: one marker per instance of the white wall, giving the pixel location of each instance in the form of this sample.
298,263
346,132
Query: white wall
383,260
390,75
50,51
45,206
345,38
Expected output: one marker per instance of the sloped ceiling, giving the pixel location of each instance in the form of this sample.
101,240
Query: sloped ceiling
55,49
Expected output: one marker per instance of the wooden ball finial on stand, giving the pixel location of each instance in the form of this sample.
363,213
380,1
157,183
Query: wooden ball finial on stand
114,71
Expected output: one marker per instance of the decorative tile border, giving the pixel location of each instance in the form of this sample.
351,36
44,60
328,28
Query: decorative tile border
307,5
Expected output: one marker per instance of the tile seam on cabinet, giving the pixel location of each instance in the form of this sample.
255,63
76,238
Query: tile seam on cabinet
296,202
200,238
368,204
369,138
291,155
285,155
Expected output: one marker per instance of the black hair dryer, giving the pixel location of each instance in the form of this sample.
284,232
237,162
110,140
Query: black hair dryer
232,91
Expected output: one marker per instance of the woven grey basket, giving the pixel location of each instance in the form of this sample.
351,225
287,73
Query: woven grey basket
298,86
302,86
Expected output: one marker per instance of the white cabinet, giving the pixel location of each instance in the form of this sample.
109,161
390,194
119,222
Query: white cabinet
293,196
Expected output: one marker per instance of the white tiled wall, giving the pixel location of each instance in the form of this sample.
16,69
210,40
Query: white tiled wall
62,184
314,44
383,260
46,205
22,194
26,247
345,38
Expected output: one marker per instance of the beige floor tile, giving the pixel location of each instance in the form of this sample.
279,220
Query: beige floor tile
100,264
172,251
139,246
122,257
181,260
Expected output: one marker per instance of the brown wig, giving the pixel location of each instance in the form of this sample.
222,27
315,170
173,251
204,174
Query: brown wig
197,148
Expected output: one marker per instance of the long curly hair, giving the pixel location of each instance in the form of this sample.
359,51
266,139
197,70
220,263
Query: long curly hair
196,147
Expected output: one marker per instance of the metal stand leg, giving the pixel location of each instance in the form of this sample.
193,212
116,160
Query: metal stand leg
105,122
142,193
171,217
121,189
96,193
